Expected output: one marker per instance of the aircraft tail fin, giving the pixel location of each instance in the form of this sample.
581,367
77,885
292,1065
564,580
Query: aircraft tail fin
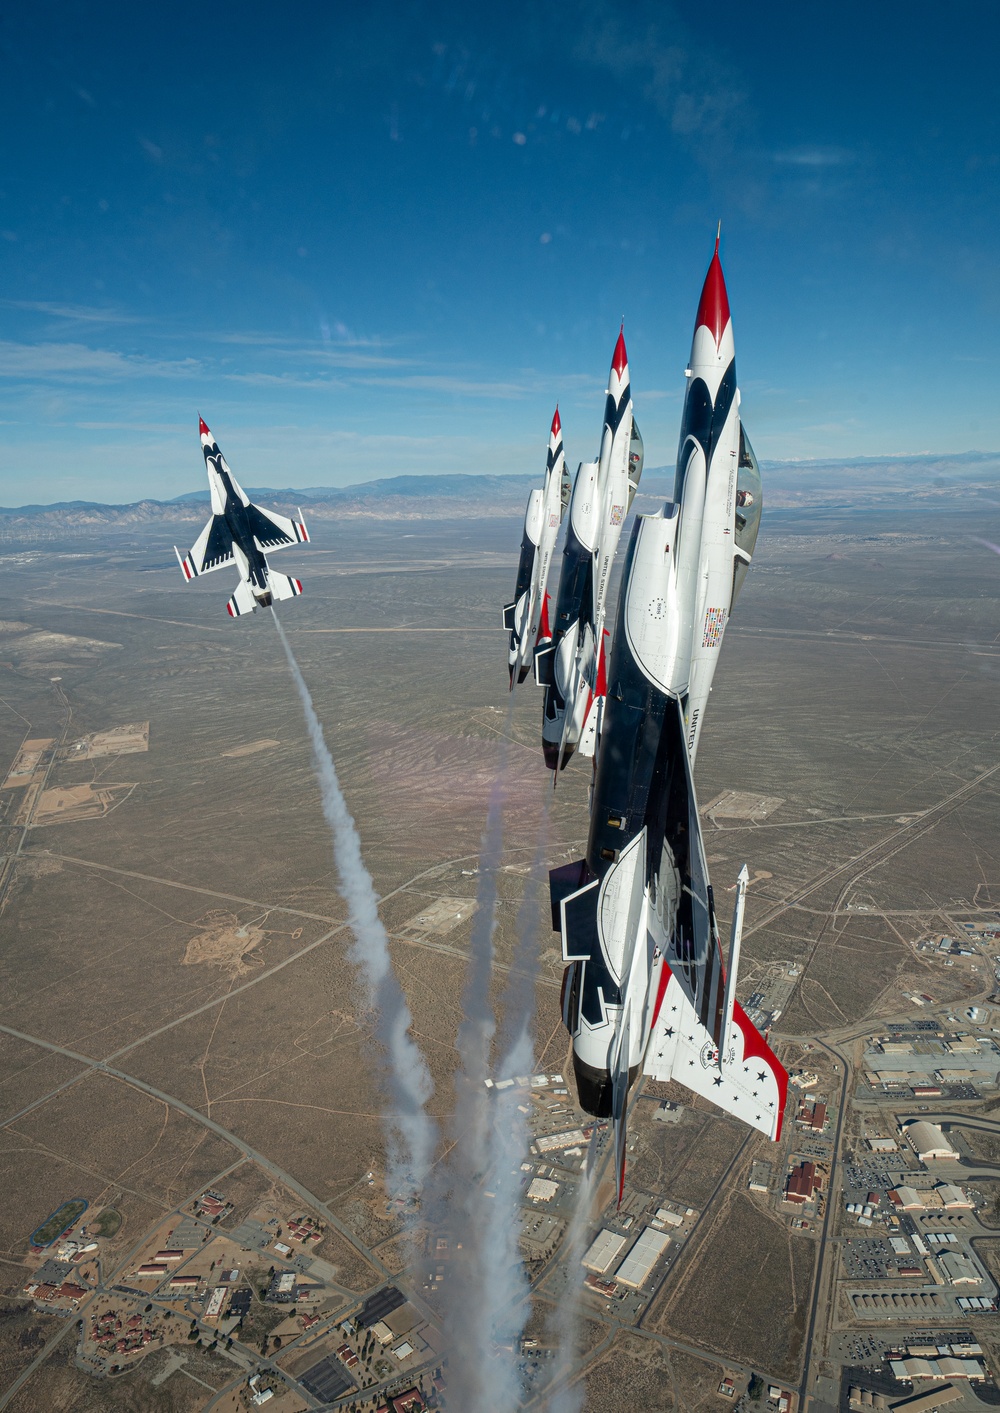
508,615
619,1100
544,630
591,733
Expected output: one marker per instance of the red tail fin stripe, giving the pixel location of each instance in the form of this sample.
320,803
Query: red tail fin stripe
544,630
754,1044
601,686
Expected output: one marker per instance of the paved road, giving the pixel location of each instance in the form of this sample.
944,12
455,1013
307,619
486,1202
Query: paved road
103,1067
880,852
69,1324
824,1239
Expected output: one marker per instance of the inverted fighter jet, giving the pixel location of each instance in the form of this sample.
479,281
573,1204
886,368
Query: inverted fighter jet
526,618
645,988
238,533
570,666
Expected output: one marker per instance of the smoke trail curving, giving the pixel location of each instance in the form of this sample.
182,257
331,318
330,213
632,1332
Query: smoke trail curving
412,1134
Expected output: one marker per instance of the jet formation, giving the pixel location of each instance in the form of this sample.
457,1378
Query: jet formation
645,987
238,533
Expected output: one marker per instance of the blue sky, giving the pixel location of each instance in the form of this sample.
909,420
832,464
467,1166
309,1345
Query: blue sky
370,240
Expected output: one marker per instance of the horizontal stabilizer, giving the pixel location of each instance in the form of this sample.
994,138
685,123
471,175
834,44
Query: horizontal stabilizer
544,656
242,601
282,587
745,1078
564,880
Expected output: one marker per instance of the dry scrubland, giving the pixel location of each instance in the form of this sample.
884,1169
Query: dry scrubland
747,1262
60,1388
195,932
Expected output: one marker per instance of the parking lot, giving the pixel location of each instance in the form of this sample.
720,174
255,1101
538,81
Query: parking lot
868,1258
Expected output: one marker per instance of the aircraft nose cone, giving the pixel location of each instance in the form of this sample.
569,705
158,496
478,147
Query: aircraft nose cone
713,309
620,360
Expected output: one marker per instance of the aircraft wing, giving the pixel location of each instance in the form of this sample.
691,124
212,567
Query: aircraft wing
213,549
737,1072
747,1080
273,531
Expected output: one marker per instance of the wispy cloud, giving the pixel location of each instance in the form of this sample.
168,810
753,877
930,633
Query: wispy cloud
79,313
284,380
650,49
348,353
459,387
75,361
169,428
813,157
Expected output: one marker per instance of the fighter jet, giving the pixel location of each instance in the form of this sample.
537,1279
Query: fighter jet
645,987
707,535
238,533
526,618
570,666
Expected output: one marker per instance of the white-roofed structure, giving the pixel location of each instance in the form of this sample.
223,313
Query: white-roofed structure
929,1143
959,1269
948,1368
953,1196
638,1265
910,1200
604,1251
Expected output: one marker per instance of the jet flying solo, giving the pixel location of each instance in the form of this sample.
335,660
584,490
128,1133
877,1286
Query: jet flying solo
238,533
645,988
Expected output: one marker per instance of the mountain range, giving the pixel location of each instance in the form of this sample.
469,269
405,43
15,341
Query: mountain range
969,479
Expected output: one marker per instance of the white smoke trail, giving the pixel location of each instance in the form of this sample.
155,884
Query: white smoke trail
505,1285
518,1001
412,1136
988,543
568,1397
472,1381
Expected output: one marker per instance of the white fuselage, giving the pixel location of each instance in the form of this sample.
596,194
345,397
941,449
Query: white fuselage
597,513
679,594
541,527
